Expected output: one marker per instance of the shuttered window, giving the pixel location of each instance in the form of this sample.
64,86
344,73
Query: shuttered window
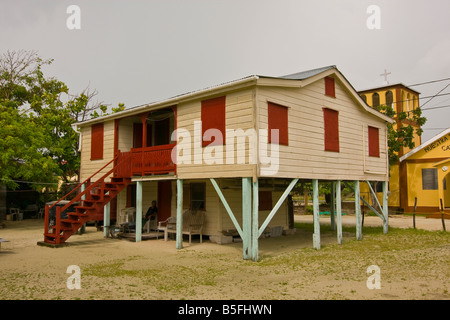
374,142
265,200
198,196
330,87
331,128
429,179
97,141
213,117
278,120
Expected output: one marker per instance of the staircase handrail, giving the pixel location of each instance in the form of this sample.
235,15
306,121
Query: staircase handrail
82,183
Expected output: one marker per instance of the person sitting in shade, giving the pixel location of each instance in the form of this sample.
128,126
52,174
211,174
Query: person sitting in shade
151,216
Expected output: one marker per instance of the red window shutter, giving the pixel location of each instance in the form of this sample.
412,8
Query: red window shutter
265,200
278,119
374,142
331,125
330,87
97,141
213,117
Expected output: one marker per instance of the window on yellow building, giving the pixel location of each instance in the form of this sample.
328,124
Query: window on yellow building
430,179
389,98
375,100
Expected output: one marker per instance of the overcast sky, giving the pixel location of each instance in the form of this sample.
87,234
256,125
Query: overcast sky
138,52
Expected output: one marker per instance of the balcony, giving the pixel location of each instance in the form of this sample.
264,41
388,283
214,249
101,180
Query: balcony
146,161
149,145
152,160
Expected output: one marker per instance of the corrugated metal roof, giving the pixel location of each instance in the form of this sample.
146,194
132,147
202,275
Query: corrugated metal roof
306,74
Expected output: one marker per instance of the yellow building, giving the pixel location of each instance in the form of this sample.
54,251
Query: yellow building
426,175
402,99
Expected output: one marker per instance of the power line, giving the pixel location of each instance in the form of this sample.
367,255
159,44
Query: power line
438,107
436,94
428,82
39,183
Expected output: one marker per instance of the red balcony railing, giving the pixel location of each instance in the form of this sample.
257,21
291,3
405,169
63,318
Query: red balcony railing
151,160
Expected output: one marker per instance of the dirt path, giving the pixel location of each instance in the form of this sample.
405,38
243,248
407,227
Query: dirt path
288,268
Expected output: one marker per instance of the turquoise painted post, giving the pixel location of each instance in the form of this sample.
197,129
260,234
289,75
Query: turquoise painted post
106,219
83,187
333,206
316,235
358,211
227,207
83,197
179,244
247,217
338,212
138,211
277,206
255,221
385,208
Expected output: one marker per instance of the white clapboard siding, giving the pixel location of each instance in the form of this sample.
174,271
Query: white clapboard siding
88,166
239,115
305,156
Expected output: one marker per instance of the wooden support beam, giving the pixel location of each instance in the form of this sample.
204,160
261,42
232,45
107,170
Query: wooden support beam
333,206
277,206
247,217
179,234
374,194
358,211
138,211
316,235
339,212
385,208
227,207
255,221
367,204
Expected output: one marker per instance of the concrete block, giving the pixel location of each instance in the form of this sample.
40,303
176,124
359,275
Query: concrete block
221,239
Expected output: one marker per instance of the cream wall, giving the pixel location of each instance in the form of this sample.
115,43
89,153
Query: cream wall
88,166
239,115
305,156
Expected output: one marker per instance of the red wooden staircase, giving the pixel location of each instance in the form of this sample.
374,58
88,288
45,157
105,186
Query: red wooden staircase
91,201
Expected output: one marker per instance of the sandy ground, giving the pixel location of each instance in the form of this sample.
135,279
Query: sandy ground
288,268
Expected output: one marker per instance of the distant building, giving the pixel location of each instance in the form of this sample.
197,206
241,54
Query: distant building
425,172
402,99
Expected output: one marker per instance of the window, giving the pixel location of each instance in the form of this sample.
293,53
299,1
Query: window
265,200
374,142
375,100
331,128
198,196
213,117
278,119
363,96
330,87
429,179
389,98
97,141
131,196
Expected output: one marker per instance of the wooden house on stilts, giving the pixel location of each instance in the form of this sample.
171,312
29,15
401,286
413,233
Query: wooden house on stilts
234,152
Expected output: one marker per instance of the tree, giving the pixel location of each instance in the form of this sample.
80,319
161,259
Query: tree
402,135
37,139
